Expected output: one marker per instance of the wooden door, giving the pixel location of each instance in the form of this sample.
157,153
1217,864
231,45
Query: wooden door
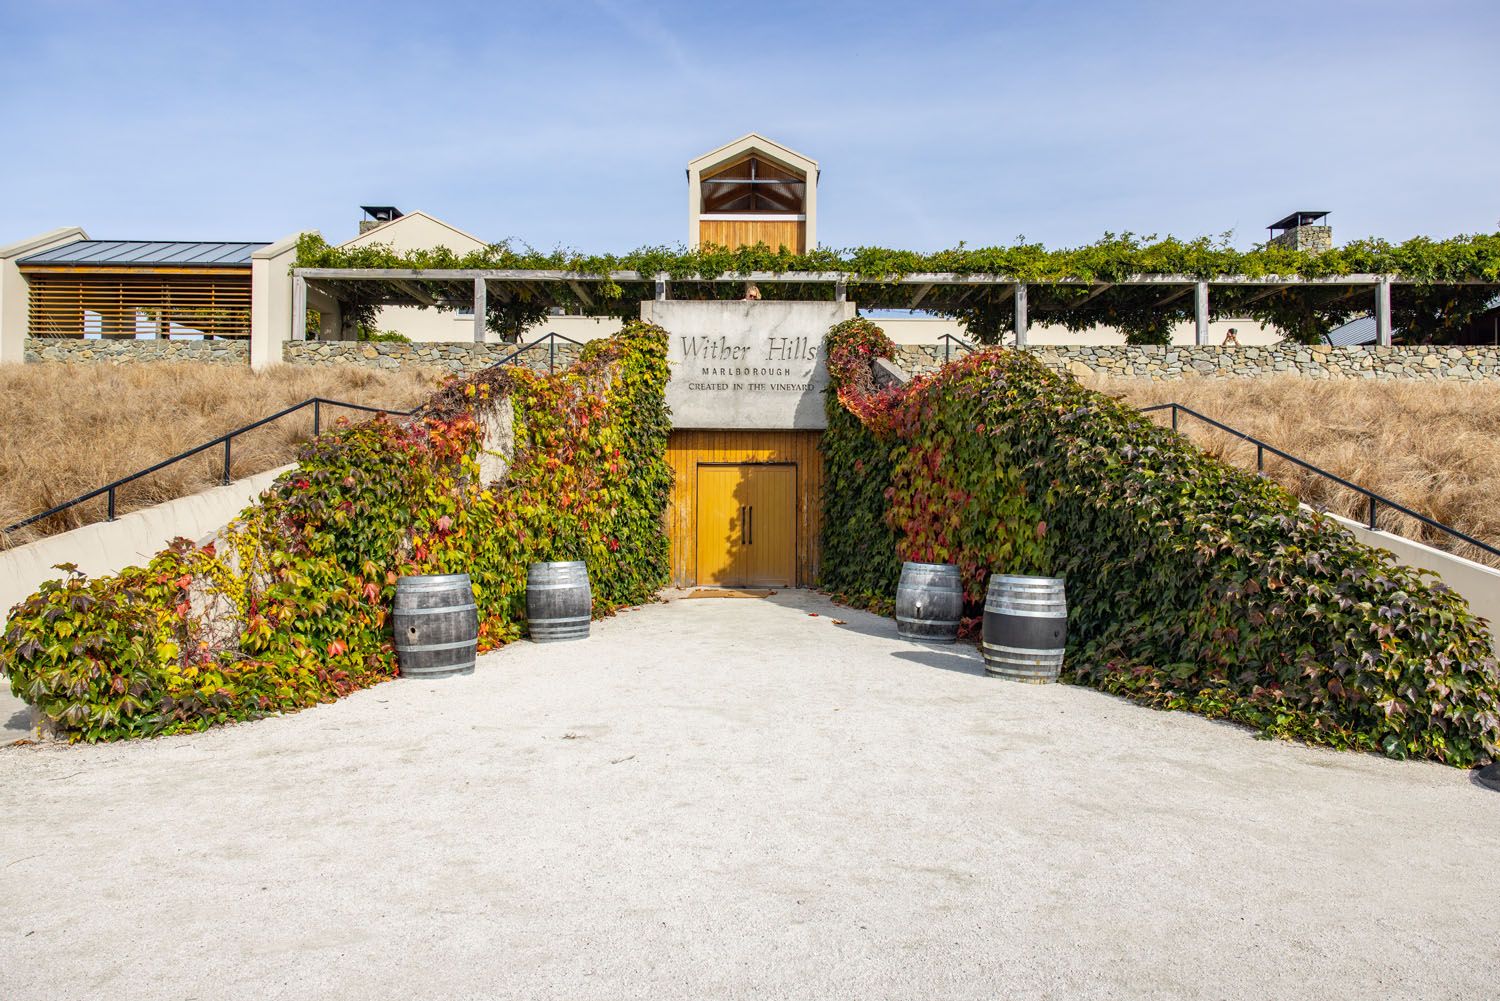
747,516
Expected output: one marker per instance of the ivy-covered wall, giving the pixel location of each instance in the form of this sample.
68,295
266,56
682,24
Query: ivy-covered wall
1191,584
291,606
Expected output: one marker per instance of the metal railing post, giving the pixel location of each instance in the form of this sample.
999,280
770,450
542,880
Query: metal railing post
317,417
551,355
108,489
1374,502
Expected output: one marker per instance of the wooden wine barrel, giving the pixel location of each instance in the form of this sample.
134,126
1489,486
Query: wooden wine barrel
435,625
929,602
1025,627
559,602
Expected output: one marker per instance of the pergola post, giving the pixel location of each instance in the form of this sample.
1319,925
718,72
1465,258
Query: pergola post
481,309
661,288
1200,311
1383,312
1020,296
299,308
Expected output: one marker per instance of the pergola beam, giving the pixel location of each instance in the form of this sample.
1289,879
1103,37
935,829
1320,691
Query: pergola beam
1173,297
413,291
1096,293
836,277
583,296
922,291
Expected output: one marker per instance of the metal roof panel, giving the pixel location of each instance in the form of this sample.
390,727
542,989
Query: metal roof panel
146,253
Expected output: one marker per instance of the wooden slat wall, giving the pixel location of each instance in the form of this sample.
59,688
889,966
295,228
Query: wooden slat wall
773,233
687,448
128,305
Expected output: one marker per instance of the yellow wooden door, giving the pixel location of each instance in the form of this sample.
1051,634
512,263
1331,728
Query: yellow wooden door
747,525
721,525
771,550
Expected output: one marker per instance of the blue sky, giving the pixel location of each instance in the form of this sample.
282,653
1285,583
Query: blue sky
570,123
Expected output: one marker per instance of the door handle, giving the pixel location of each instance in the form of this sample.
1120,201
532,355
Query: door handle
750,520
742,524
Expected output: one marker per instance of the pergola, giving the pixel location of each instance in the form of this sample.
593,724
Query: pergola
464,288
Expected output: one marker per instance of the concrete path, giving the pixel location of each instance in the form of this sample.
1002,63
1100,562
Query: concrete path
734,798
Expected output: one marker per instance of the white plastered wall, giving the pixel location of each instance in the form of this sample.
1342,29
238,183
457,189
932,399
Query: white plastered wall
420,231
271,301
915,330
14,288
107,547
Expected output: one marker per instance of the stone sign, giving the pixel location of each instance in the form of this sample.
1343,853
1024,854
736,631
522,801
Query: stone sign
746,364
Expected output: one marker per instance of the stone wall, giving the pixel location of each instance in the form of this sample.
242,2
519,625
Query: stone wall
459,358
111,352
1314,362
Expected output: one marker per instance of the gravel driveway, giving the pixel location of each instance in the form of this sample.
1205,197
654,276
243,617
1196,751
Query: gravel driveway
737,798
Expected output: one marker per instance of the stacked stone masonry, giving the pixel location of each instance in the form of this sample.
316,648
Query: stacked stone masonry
1310,361
464,359
121,352
1135,362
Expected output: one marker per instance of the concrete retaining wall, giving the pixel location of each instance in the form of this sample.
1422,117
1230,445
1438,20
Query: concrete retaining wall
130,540
1314,362
459,358
79,349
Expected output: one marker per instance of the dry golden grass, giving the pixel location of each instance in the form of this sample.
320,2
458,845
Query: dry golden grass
1432,446
71,428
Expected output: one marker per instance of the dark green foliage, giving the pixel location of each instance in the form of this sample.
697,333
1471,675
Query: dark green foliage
1191,584
859,546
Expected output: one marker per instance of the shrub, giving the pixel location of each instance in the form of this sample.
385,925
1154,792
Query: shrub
292,606
1191,584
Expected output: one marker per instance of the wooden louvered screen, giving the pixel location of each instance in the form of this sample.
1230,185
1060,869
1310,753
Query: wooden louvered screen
124,305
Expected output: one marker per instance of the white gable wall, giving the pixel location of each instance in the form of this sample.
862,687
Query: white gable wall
420,231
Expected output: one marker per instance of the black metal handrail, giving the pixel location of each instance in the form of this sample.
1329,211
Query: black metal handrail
551,340
225,440
948,340
1373,500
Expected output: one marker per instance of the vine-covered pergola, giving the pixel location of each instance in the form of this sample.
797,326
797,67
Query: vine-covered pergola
1421,287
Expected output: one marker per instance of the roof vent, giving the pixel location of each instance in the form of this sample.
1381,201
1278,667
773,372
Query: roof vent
1305,230
376,215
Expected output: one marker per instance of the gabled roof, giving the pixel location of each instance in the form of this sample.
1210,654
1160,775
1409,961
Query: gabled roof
755,142
373,234
148,253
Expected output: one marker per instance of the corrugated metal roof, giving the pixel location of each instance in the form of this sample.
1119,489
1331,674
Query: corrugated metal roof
148,253
1360,331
